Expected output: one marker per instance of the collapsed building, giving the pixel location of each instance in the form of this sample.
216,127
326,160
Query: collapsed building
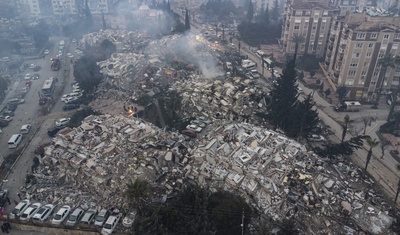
91,165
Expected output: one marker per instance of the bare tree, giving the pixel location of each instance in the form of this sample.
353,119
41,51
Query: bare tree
367,121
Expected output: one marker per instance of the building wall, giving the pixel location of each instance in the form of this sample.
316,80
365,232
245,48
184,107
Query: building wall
356,50
312,24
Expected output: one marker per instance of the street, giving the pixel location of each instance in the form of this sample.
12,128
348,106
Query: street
28,113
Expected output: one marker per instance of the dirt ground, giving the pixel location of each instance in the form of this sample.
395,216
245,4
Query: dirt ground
275,50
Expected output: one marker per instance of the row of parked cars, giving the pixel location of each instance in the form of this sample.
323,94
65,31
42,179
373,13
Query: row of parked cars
39,214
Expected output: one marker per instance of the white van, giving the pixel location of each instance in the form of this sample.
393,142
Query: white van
14,141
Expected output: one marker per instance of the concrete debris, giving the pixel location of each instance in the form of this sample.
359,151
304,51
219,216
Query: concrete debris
92,164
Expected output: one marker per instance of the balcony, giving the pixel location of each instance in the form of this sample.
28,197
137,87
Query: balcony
341,50
332,38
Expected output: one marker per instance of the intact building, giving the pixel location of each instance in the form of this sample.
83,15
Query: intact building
309,19
356,44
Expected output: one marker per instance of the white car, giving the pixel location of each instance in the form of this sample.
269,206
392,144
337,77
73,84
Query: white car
299,90
316,138
32,66
61,214
74,217
194,127
62,121
19,209
25,129
110,225
69,55
69,99
5,59
46,52
30,211
101,217
65,97
127,222
43,213
28,76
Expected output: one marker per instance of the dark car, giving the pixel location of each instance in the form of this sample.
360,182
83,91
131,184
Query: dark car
36,76
12,107
71,107
37,68
77,101
3,123
54,130
8,113
190,133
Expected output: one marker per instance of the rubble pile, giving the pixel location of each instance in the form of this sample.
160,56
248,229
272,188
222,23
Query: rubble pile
233,98
125,41
91,164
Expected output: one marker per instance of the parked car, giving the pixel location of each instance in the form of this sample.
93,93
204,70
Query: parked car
88,217
19,209
3,123
46,52
28,83
24,90
28,76
194,127
299,90
36,76
71,107
70,99
6,59
316,138
101,217
30,211
190,133
3,193
65,97
127,222
25,129
43,213
62,121
36,68
54,130
110,225
74,217
8,113
12,107
6,118
61,214
69,55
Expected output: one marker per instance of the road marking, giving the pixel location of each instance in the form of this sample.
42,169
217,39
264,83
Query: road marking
371,128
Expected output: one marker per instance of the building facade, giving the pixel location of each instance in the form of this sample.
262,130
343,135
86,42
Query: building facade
357,43
310,20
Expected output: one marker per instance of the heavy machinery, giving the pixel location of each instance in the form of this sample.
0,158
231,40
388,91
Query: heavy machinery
55,64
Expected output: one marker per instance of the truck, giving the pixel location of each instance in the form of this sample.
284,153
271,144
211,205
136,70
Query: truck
348,106
55,64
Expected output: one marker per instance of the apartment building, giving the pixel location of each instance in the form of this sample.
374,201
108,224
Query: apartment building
312,21
356,44
30,7
349,6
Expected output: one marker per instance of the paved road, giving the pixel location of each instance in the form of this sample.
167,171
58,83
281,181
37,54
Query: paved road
27,113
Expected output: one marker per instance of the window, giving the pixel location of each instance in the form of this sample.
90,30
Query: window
376,72
395,46
350,82
397,36
386,36
305,26
397,74
373,35
353,65
360,82
370,45
361,36
321,35
296,27
368,55
352,73
381,55
356,55
363,73
325,13
366,64
358,45
373,83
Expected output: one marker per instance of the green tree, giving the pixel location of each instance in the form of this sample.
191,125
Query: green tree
250,12
137,193
398,187
107,48
327,92
341,92
284,98
3,86
187,20
345,126
275,11
389,60
266,16
372,143
395,93
345,148
297,39
305,121
87,73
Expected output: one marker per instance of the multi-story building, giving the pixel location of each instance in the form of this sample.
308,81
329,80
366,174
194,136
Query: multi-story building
309,19
349,6
356,44
28,7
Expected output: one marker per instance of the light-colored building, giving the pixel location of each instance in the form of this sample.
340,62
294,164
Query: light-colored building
310,20
356,43
64,7
349,6
28,7
72,7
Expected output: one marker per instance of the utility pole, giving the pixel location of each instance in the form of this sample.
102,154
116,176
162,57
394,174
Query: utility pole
243,222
